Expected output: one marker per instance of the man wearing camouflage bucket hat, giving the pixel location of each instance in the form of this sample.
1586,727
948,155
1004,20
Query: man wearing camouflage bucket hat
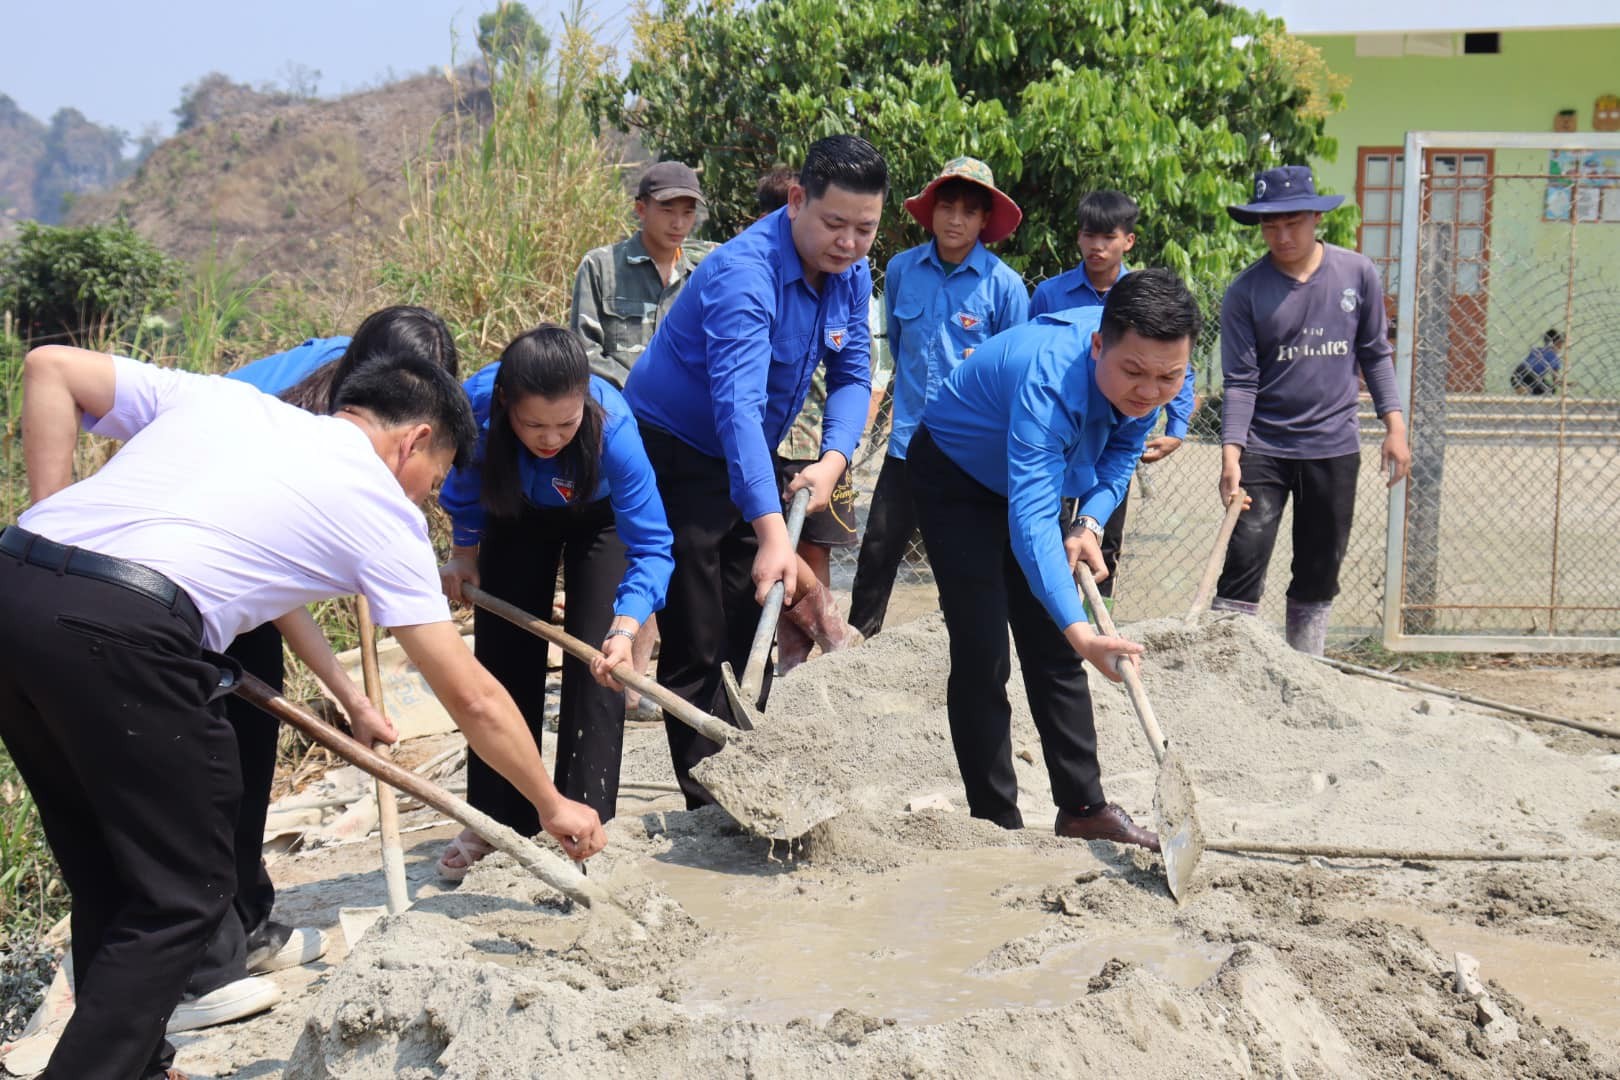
942,299
1297,328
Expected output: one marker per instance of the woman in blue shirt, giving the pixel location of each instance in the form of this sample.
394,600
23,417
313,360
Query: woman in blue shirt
560,477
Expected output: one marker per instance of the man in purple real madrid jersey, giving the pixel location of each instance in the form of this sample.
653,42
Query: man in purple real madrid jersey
1296,328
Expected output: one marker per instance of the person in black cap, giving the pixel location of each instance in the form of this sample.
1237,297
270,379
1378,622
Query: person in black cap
1297,327
621,292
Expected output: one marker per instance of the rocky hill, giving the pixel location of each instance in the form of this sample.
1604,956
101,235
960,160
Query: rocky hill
282,185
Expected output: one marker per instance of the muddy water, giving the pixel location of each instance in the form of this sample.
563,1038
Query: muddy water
914,945
1562,984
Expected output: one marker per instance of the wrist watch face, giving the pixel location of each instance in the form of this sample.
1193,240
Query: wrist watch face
1091,523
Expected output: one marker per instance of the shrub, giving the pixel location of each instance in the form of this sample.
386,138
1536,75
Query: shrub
74,283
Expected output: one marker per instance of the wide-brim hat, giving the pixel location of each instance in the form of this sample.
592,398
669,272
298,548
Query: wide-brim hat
1004,213
1287,189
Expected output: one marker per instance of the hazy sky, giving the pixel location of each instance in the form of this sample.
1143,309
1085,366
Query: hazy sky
124,63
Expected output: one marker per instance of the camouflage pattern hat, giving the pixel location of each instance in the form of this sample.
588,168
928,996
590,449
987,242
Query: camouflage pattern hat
1004,213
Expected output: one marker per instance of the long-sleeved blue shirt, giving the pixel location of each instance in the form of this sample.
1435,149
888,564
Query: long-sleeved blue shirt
729,367
1024,417
626,480
1072,289
937,318
273,374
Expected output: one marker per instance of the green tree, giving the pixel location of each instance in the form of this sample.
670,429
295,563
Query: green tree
73,283
509,35
1176,102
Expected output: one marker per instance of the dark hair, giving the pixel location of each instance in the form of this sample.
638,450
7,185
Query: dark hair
848,161
412,390
388,335
1553,337
1153,302
957,189
772,190
549,361
1105,211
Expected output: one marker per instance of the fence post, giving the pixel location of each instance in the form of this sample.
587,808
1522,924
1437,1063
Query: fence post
1431,361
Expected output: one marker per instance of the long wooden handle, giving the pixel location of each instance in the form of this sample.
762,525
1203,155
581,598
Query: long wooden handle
393,852
754,671
551,869
1342,851
1217,556
676,706
1133,681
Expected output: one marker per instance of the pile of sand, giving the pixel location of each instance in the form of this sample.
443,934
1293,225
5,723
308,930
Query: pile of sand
843,954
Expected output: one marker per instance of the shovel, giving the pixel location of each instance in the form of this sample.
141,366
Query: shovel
356,921
549,868
764,810
1217,557
744,699
1181,841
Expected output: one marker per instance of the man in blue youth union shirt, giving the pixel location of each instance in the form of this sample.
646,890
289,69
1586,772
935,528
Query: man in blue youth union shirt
716,390
1057,408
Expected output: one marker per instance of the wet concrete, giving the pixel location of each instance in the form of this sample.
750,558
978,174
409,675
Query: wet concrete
920,945
1560,983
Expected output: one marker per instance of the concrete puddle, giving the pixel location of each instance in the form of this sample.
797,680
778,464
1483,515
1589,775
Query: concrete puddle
1562,984
915,945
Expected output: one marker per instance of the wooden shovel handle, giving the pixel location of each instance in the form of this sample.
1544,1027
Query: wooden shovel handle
1133,680
754,671
672,703
551,869
1217,556
393,852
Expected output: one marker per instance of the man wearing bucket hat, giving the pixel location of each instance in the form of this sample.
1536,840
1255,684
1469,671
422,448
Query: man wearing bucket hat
942,298
1297,327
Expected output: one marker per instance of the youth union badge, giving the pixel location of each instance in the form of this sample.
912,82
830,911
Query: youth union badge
565,488
835,339
967,321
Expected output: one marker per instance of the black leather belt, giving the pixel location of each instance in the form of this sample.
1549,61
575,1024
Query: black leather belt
32,548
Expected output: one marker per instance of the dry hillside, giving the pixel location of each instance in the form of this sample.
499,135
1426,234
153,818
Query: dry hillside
281,185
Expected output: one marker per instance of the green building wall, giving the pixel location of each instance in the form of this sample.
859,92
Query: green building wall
1520,89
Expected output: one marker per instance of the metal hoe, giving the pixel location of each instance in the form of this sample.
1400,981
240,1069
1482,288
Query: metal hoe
1181,840
745,698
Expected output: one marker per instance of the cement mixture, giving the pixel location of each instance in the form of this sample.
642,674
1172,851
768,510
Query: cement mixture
929,944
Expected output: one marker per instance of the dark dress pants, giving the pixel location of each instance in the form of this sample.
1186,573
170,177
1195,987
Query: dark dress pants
889,525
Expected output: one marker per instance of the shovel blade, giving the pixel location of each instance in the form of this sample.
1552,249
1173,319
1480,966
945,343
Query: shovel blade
356,921
742,710
1181,839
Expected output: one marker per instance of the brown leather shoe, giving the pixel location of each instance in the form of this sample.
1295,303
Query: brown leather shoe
1109,822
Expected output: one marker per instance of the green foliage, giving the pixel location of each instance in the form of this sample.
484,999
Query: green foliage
31,894
500,214
79,282
509,35
1176,102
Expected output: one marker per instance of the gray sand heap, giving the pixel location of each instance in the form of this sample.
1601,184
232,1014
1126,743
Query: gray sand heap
932,945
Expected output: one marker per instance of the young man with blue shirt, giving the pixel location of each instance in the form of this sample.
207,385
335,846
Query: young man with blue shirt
1107,233
942,300
715,392
1055,409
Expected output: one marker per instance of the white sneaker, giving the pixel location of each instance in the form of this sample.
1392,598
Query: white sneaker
233,1001
303,945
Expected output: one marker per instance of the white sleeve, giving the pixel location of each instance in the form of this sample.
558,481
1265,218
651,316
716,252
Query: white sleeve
402,583
141,393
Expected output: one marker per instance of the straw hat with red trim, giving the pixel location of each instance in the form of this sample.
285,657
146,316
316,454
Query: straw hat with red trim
1004,213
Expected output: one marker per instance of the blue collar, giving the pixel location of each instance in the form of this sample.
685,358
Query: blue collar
792,265
975,259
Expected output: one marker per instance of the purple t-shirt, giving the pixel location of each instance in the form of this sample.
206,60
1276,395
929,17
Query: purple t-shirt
1289,354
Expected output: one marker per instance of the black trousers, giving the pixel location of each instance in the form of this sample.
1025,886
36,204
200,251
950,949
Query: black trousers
710,615
1113,540
517,561
983,591
1324,494
225,958
110,708
889,525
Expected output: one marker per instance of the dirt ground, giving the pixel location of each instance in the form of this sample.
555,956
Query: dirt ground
929,944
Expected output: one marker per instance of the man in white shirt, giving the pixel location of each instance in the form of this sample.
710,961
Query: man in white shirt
224,509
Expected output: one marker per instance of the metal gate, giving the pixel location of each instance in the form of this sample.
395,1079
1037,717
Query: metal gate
1507,535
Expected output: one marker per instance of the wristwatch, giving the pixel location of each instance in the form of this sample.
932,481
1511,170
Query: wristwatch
1089,522
619,631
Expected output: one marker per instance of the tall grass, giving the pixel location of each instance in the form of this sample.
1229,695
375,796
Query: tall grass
514,191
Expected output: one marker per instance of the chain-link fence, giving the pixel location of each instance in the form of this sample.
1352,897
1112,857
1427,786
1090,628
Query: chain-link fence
1173,515
1508,535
